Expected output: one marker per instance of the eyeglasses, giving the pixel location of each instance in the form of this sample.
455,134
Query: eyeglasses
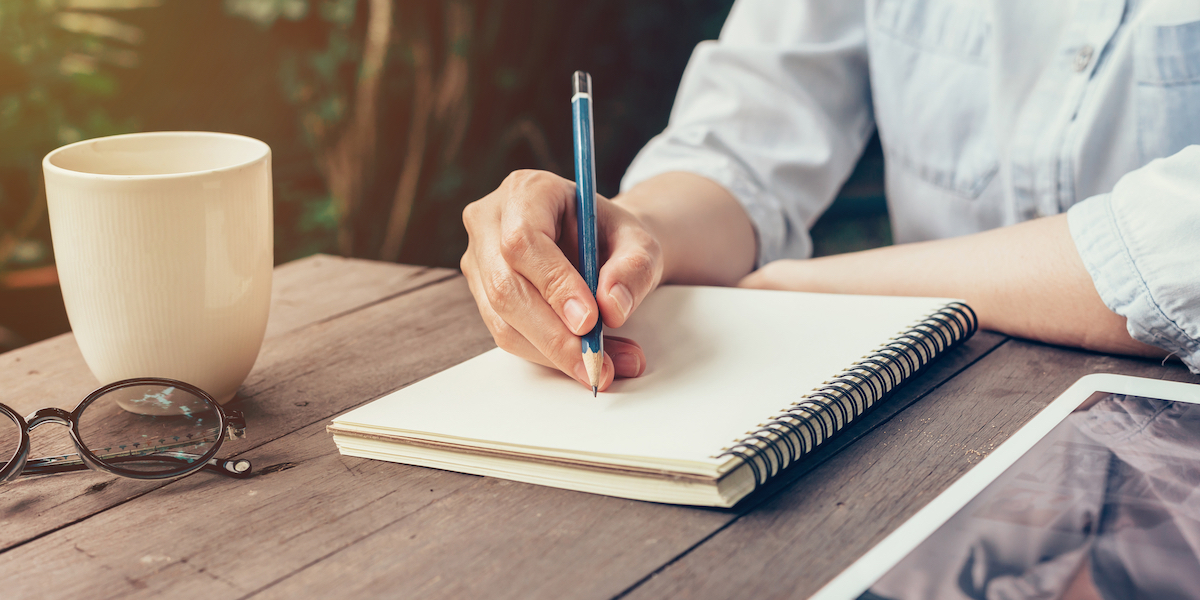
147,428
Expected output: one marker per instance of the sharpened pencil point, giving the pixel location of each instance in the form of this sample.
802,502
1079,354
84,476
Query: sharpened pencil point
593,362
593,391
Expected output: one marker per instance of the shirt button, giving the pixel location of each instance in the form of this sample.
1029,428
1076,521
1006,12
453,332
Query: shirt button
1083,58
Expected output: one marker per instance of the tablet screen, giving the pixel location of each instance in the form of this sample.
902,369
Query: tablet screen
1107,505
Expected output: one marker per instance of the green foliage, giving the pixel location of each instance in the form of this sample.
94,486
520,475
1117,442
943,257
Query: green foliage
319,214
459,93
466,91
56,85
266,12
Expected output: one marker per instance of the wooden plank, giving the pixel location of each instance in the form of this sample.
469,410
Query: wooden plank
217,537
322,287
510,540
421,525
938,373
308,376
316,523
799,539
53,373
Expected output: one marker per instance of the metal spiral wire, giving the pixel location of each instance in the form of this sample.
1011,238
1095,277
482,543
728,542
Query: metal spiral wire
799,429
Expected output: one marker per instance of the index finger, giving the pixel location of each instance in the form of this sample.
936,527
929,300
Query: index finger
539,207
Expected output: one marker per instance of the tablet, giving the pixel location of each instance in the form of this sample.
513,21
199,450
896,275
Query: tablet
1097,497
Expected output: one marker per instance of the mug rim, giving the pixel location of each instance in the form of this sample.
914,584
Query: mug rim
49,166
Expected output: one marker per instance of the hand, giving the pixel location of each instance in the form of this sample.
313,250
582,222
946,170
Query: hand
532,297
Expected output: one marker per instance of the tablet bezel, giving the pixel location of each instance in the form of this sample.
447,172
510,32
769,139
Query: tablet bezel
867,570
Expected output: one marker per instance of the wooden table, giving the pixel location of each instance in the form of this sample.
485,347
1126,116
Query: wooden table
312,523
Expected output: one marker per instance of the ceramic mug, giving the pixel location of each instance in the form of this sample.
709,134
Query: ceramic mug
163,243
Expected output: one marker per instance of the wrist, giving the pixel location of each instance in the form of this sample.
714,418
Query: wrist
704,234
654,226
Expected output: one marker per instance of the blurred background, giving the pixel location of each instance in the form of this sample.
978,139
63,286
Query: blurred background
385,117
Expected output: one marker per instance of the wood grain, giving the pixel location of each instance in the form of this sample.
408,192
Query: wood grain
315,523
323,287
308,376
792,544
502,539
53,373
948,366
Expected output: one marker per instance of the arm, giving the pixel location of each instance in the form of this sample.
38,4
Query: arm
768,122
705,235
1026,280
676,227
1141,244
777,112
1118,273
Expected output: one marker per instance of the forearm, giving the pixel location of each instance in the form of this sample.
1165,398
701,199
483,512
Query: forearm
1026,280
705,235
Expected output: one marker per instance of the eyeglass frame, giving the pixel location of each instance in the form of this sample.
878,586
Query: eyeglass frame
232,425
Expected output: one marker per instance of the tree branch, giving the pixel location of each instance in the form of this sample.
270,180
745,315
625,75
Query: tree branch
348,163
414,155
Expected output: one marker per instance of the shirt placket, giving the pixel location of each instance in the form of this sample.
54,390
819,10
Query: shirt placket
1042,173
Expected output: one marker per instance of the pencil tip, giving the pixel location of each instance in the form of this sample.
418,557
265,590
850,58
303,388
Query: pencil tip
593,363
593,391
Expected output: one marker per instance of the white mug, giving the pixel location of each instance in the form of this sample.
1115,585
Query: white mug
163,243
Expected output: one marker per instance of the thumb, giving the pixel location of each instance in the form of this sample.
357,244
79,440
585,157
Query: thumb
633,269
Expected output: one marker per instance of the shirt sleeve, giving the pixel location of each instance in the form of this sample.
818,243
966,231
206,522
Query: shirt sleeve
777,111
1141,245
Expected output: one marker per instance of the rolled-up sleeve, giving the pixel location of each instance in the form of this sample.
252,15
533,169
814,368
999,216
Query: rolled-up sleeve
1141,245
777,111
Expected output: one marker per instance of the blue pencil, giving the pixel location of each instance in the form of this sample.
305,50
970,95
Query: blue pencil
585,215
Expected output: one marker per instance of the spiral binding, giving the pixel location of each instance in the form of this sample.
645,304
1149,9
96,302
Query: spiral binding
798,430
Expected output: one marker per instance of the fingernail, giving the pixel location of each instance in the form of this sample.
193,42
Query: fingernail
576,315
627,364
581,371
620,294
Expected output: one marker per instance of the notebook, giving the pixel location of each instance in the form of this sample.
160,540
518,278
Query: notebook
739,384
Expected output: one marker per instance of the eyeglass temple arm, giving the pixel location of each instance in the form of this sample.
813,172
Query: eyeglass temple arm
238,468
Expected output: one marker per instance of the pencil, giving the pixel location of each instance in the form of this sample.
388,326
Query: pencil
592,342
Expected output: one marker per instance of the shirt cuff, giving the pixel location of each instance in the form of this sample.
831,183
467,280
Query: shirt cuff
771,225
1105,252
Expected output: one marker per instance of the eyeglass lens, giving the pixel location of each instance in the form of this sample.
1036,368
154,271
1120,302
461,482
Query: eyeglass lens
149,428
10,438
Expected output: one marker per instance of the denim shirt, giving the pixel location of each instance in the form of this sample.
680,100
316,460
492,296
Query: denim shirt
991,112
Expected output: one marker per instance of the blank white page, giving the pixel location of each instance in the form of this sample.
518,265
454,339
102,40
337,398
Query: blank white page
720,362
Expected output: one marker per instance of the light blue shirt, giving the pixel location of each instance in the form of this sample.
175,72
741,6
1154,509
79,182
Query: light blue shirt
991,112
